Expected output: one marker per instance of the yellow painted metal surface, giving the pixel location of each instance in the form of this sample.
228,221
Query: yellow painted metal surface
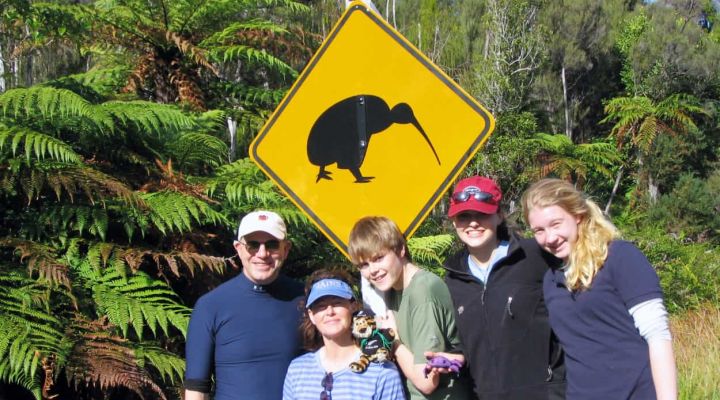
338,116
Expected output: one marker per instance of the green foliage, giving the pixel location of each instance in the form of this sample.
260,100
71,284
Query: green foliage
430,251
36,144
28,331
562,158
689,272
170,211
656,69
692,209
508,155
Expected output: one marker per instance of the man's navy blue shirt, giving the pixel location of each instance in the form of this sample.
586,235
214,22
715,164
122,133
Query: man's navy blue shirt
245,335
605,355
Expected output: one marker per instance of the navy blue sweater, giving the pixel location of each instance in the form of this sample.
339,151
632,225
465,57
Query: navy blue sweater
245,335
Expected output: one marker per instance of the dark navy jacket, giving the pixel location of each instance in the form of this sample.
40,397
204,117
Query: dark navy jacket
504,328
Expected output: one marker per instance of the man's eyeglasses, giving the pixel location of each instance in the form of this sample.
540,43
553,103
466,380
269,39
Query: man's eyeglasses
253,246
472,192
327,383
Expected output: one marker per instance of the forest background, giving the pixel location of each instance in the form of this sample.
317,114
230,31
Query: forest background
125,125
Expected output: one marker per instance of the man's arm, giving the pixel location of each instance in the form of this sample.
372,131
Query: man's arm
199,354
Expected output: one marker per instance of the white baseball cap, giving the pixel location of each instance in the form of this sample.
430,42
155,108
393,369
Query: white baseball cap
262,221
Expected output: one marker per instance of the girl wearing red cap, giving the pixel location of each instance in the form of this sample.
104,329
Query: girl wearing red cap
496,286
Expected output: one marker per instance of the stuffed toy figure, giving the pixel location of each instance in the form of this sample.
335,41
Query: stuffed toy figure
376,344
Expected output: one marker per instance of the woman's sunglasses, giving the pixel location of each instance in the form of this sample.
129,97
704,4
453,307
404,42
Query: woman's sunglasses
472,192
327,383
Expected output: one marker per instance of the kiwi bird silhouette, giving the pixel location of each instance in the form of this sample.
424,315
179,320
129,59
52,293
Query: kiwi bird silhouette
342,133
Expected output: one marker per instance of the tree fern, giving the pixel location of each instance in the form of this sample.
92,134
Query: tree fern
51,103
253,57
128,298
199,148
41,258
28,332
173,211
151,118
170,367
229,33
76,218
430,250
102,358
70,180
36,144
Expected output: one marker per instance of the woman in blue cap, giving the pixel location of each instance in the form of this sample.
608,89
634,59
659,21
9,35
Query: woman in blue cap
327,333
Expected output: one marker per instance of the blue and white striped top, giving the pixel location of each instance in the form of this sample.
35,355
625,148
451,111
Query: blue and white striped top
305,374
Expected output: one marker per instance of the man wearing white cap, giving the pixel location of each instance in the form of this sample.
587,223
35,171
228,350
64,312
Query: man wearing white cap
245,332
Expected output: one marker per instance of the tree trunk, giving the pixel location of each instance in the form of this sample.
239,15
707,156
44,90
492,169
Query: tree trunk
232,132
653,189
568,130
2,71
420,36
394,21
614,190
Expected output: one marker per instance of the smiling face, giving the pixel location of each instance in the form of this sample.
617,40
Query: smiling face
555,230
262,265
384,270
332,316
477,230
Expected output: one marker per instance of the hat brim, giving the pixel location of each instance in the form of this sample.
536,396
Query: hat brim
472,205
317,294
277,234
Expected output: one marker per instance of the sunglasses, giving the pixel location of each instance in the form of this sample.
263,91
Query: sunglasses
473,192
253,246
327,383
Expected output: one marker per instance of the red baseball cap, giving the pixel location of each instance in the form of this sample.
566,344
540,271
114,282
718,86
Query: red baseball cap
476,193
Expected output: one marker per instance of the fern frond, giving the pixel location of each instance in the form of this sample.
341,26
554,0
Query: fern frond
41,258
430,249
172,211
107,360
156,119
199,148
76,218
231,31
187,47
170,367
253,57
290,5
70,180
10,375
52,103
28,332
139,301
36,144
105,81
256,96
192,261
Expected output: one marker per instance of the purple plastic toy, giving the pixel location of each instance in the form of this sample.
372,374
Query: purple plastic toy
442,362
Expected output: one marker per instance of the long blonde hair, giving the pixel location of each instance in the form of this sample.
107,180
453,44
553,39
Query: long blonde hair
595,232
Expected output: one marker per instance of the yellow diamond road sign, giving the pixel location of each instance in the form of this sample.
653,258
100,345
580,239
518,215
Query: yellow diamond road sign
371,127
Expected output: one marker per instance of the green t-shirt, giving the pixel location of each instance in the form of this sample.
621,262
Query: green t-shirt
426,322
